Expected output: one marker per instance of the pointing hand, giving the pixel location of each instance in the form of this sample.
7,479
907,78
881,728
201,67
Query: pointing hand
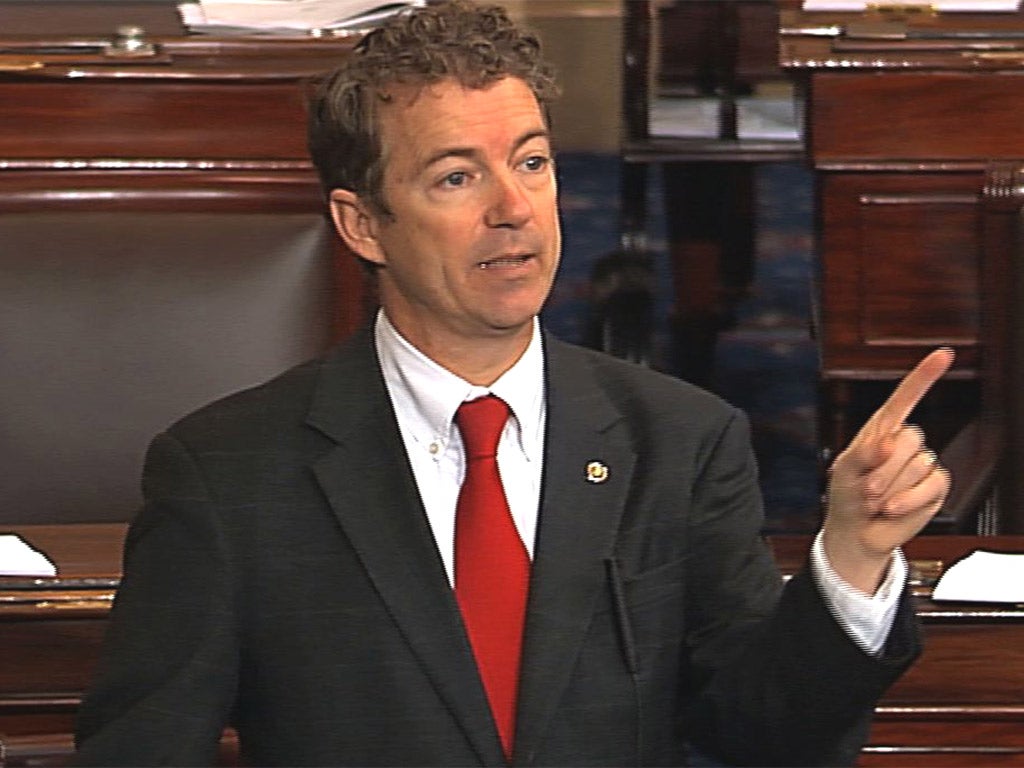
886,485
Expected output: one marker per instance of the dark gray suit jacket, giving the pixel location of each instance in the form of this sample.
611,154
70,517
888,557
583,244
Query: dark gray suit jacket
283,577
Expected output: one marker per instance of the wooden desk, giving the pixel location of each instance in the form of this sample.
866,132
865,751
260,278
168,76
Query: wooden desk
899,134
51,634
51,631
961,704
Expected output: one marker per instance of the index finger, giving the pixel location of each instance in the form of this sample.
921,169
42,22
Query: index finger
914,386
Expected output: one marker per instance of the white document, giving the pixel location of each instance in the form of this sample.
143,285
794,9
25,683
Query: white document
973,6
988,577
18,558
286,16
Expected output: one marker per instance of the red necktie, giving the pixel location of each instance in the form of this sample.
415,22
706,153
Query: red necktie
492,569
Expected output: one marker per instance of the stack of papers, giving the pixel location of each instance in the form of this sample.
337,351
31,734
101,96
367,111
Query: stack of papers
18,558
757,117
973,6
282,17
983,577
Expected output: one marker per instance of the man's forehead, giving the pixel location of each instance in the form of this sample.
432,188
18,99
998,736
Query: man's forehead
427,118
399,96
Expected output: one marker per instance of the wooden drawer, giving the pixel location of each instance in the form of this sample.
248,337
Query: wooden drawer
49,657
926,116
959,668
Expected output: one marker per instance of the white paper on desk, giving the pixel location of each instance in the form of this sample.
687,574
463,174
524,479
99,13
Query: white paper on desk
284,16
972,6
18,558
987,577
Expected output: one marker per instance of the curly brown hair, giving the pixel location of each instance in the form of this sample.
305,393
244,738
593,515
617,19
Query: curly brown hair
474,45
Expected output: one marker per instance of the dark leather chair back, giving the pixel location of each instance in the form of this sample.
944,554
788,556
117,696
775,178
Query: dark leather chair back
115,323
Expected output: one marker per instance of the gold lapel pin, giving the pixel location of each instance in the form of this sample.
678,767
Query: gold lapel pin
597,472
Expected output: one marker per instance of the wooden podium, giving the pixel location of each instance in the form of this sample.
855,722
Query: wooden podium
904,108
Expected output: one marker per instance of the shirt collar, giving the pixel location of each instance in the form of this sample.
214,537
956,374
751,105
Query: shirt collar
426,396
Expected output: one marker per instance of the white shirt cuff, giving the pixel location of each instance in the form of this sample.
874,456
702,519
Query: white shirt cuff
867,619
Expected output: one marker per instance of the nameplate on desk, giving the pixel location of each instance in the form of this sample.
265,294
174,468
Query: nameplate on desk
18,558
983,577
949,6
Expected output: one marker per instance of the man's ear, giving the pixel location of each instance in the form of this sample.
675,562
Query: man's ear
357,225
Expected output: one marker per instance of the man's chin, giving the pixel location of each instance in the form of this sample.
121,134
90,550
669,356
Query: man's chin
513,320
511,328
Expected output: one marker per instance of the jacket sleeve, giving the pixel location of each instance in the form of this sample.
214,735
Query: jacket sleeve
777,680
168,675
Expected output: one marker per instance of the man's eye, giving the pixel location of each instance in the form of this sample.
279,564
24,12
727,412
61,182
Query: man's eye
535,163
455,179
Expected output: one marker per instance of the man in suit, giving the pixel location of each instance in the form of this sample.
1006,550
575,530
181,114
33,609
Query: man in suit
301,567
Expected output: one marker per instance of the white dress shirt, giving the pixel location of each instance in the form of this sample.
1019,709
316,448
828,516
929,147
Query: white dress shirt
426,396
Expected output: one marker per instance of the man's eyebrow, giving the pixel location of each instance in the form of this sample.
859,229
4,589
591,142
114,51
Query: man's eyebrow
447,152
538,133
470,152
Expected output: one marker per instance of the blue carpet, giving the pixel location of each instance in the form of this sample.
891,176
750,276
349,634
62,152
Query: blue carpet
766,363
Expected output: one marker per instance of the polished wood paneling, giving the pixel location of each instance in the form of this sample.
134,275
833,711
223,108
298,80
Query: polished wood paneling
958,665
961,703
899,270
65,650
153,118
903,113
928,116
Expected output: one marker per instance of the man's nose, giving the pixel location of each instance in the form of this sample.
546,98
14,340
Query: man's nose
510,203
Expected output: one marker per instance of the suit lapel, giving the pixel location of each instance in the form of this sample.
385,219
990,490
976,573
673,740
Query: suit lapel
371,490
576,533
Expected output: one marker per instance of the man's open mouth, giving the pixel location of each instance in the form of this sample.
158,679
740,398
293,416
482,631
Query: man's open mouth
505,261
